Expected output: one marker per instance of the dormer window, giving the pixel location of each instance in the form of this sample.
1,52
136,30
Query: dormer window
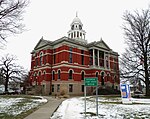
80,27
72,28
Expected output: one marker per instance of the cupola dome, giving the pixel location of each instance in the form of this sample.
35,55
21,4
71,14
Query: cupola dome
76,31
76,20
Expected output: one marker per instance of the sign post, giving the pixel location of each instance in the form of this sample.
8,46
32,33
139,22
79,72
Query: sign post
91,81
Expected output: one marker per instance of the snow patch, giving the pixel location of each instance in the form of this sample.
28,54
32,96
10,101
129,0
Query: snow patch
109,108
14,106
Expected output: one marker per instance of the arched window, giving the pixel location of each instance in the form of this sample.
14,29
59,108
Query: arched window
82,75
35,76
44,75
108,77
39,73
70,74
97,74
58,74
53,75
41,58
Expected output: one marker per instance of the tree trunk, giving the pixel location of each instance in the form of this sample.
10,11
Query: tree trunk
6,85
147,85
147,78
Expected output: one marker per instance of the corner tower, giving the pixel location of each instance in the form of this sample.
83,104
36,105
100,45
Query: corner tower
77,31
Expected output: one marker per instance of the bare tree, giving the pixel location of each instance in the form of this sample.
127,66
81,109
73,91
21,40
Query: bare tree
134,61
10,17
11,71
2,81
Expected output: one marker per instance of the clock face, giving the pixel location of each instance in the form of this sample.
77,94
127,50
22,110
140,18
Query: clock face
80,27
72,28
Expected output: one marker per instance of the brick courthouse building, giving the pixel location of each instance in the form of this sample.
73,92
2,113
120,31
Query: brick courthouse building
61,65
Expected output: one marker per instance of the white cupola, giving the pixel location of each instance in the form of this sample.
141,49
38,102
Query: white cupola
76,31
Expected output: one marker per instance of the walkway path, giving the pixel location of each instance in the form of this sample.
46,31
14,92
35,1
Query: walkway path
46,111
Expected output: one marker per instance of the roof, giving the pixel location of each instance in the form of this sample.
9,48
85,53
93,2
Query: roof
76,20
50,44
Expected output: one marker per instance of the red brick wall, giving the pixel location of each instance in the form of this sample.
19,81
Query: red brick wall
62,54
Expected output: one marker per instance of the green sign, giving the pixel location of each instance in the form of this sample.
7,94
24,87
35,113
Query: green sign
91,81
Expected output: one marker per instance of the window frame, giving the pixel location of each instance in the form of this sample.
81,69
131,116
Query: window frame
70,88
70,75
59,72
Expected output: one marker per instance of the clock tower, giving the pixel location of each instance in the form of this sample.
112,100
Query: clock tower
77,31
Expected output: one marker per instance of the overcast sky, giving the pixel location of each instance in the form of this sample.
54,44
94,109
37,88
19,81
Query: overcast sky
52,18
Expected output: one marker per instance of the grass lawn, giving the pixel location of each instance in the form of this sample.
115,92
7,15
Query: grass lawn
18,106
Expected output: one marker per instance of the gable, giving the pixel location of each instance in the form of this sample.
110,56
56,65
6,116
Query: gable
102,44
41,44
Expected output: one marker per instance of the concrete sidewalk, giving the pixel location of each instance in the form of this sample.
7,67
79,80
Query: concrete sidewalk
46,110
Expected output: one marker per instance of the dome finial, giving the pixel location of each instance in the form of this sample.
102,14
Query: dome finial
76,14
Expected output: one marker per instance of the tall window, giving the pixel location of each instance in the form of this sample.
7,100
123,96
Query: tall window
53,88
70,88
70,55
115,66
44,60
36,61
58,74
54,56
39,73
44,75
35,77
97,74
41,58
102,78
53,75
82,88
70,74
107,62
96,57
82,76
58,87
91,56
101,58
82,57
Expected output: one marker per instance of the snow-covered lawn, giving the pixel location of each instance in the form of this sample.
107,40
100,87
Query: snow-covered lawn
11,107
108,108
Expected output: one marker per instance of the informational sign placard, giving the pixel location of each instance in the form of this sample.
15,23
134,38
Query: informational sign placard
125,93
91,81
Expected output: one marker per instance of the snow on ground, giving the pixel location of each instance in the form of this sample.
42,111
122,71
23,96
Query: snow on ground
109,108
15,106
